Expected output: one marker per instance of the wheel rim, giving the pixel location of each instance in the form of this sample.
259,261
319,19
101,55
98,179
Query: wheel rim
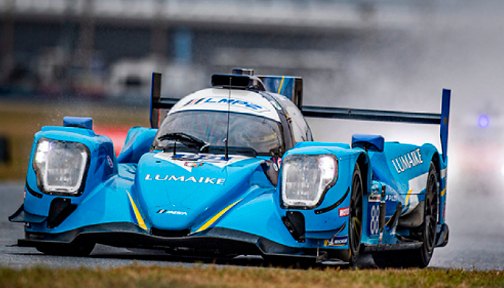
431,207
355,222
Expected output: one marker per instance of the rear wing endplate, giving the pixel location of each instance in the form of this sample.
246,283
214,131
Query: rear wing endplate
158,104
288,86
441,119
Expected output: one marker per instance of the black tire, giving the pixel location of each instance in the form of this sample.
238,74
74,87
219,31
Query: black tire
355,219
419,257
72,249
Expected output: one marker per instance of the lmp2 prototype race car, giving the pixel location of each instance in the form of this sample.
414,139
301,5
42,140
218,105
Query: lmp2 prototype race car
233,170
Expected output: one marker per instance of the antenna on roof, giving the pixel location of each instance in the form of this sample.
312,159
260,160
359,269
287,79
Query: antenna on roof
226,147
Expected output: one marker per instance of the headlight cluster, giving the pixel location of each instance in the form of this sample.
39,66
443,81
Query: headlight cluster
60,166
305,179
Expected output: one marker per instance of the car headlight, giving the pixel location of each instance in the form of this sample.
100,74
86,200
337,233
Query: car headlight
306,178
60,166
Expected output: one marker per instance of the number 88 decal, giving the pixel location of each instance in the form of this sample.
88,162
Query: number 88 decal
374,218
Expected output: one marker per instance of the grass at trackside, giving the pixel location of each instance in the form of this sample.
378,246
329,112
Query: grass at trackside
20,121
215,276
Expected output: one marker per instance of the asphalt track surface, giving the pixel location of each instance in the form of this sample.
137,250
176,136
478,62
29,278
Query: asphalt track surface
475,216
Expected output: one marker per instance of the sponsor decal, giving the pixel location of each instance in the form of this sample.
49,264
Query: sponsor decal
183,178
276,163
193,164
407,161
225,101
109,161
392,197
344,212
182,159
163,211
200,157
337,241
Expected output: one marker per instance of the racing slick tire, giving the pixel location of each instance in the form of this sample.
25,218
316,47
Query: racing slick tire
72,249
418,257
355,218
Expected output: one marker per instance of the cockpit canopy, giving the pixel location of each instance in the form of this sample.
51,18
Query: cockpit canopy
260,123
248,134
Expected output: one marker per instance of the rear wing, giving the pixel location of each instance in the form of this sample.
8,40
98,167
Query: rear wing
441,119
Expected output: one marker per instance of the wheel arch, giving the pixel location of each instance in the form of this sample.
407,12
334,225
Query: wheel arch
366,171
436,159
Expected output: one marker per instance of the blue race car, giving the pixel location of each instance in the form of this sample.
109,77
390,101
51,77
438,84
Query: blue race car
233,170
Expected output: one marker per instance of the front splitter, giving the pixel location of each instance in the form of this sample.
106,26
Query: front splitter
221,240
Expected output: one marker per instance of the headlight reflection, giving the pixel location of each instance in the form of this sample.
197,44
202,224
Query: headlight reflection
305,179
60,165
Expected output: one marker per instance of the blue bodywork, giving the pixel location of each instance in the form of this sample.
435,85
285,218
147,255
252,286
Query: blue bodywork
163,200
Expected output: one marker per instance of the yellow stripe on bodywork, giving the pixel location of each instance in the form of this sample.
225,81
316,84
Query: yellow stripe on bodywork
443,192
407,198
138,216
217,216
281,84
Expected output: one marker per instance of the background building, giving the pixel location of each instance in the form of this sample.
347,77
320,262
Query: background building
108,48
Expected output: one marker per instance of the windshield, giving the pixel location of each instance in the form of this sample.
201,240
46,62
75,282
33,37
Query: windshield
248,132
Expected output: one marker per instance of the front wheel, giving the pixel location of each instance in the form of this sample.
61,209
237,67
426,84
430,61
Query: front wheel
355,219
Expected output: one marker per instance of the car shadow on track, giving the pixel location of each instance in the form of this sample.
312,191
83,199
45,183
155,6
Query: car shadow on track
162,258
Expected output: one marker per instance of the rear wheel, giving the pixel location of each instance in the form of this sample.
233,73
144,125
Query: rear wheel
72,249
430,218
355,219
422,256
